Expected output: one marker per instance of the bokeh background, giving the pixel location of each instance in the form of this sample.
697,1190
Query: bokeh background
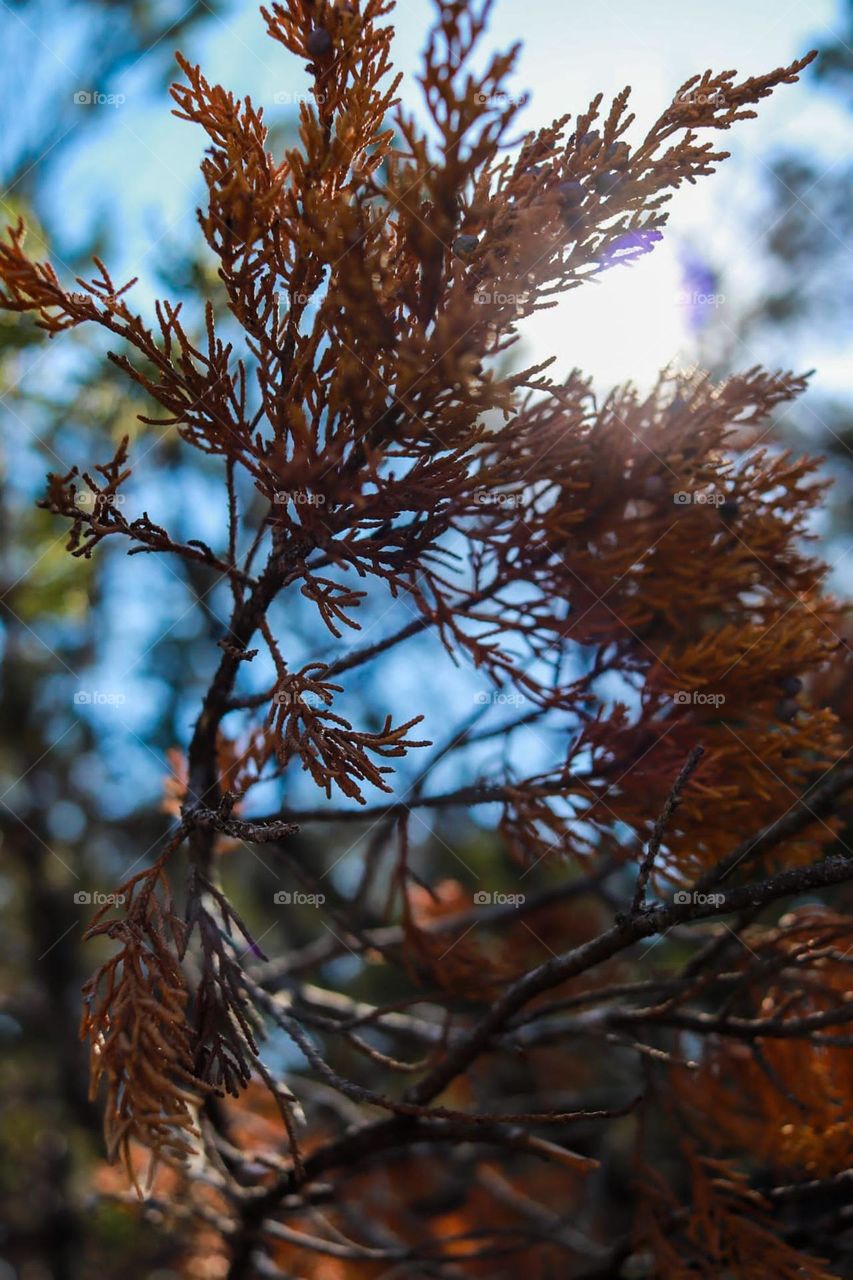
102,662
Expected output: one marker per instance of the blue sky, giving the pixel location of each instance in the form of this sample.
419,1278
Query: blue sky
135,170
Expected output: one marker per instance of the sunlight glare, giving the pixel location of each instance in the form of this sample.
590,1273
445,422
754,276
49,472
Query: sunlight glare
627,325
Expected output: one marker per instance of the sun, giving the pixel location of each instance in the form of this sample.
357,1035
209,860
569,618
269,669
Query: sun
626,324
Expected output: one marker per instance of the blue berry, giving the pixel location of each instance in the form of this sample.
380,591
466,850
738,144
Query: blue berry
319,42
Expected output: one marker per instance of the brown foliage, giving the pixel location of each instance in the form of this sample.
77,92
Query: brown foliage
135,1020
378,275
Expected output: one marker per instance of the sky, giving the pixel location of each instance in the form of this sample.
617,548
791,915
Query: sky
135,172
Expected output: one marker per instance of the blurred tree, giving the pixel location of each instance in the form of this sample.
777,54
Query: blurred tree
802,300
801,307
56,835
55,50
